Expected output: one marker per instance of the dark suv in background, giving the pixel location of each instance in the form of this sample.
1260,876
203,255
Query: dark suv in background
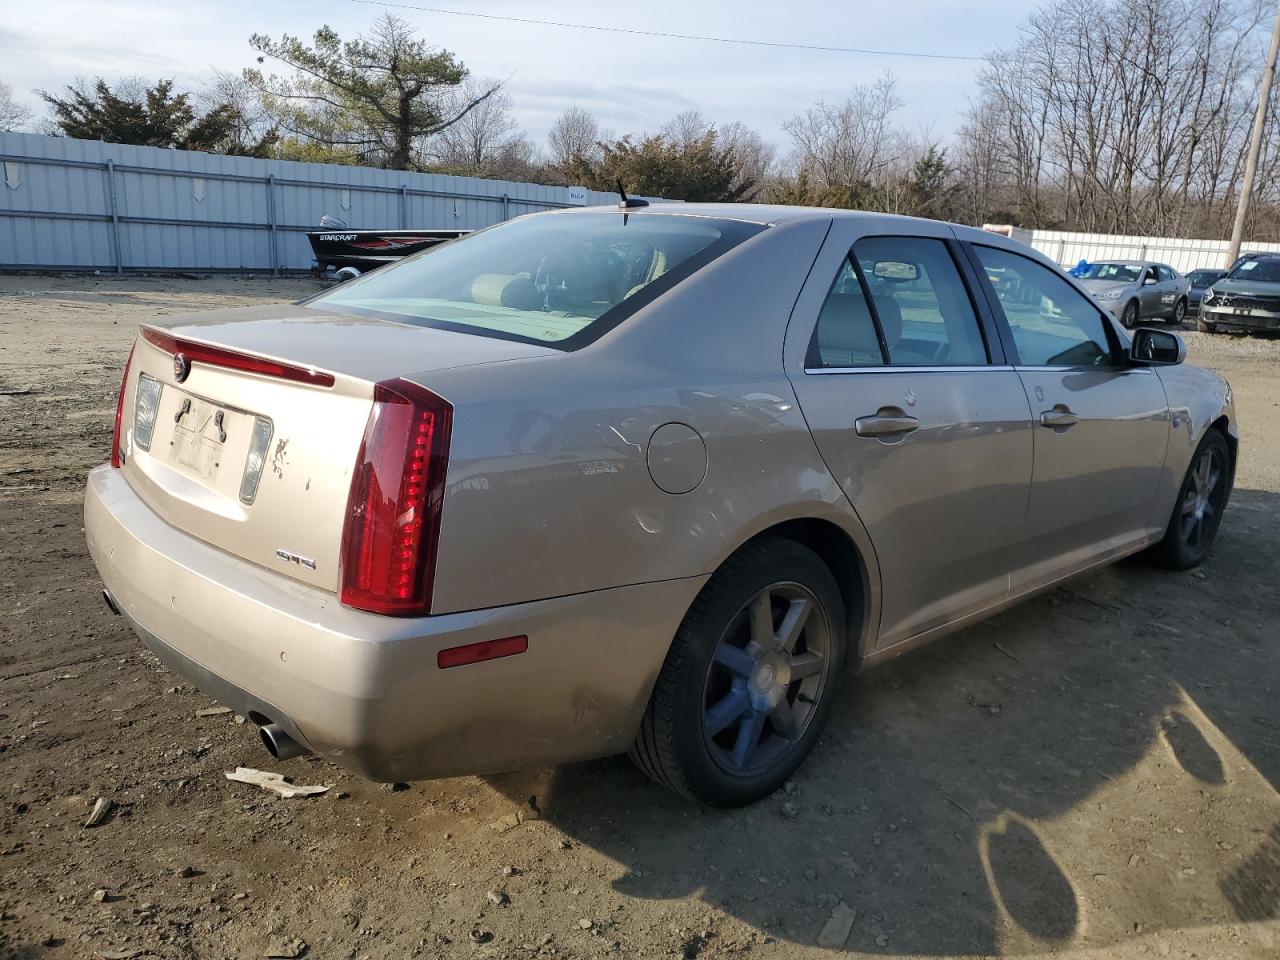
1198,281
1246,299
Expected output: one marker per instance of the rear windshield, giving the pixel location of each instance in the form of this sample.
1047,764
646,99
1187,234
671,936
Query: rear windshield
556,280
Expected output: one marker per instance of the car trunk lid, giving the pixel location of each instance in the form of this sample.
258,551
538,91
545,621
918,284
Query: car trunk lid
242,428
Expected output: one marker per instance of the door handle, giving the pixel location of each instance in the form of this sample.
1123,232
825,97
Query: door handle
886,423
1060,417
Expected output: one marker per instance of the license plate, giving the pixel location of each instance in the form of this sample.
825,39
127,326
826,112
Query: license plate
1243,312
198,439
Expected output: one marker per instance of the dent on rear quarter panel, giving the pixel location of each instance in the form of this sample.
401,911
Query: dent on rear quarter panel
548,492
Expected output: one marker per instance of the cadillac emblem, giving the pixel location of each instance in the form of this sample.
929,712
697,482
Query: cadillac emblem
181,367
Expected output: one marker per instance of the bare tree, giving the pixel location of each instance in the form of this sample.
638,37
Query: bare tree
251,129
847,144
576,135
753,157
13,115
1121,116
475,143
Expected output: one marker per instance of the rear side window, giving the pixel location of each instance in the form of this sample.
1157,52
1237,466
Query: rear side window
925,314
846,333
897,301
1053,324
556,280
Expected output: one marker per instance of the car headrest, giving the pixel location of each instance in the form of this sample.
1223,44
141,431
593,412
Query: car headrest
487,288
846,335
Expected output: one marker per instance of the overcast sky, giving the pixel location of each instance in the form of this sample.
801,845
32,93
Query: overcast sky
630,83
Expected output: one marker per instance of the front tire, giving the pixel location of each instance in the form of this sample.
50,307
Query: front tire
1204,326
1129,318
1198,509
750,677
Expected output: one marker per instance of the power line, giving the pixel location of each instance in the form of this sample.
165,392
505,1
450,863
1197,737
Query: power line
670,36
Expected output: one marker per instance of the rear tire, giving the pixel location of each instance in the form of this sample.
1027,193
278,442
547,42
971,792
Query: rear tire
1180,311
1198,510
1129,318
750,677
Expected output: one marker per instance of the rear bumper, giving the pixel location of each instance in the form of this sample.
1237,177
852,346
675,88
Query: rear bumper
364,690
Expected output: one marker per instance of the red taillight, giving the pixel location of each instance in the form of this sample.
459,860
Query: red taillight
479,652
393,513
197,352
115,434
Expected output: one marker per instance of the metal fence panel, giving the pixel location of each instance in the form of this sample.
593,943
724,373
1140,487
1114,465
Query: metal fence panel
84,204
1184,255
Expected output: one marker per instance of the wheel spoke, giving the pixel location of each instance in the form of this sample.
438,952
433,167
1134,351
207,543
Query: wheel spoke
1189,503
734,659
1188,527
805,665
748,738
784,720
762,621
1208,509
1211,483
725,710
792,625
1202,475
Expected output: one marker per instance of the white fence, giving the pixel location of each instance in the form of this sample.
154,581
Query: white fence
1069,248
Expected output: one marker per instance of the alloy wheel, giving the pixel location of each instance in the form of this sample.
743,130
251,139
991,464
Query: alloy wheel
1201,499
767,675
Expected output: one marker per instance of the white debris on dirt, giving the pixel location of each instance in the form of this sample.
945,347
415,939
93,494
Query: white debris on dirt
101,810
275,783
212,712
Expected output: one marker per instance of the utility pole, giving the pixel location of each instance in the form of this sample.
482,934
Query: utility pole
1255,145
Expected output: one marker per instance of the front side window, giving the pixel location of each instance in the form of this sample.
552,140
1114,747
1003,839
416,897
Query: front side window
1053,324
925,314
558,280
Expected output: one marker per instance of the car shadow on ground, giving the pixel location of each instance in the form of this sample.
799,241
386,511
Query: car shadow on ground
1095,764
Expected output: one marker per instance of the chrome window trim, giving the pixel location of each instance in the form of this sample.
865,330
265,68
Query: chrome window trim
1006,368
958,368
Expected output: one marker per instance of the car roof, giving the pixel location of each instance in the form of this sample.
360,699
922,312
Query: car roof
761,213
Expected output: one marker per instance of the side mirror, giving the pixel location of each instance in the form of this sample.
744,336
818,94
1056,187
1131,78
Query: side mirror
1149,281
1157,348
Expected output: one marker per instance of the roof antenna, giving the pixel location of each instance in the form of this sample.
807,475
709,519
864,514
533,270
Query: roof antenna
628,203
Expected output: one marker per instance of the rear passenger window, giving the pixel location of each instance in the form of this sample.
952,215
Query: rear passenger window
925,314
900,301
846,334
1053,324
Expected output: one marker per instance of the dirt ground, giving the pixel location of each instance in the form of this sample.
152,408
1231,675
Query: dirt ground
1093,773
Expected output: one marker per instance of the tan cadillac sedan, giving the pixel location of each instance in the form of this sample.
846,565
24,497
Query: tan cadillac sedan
648,479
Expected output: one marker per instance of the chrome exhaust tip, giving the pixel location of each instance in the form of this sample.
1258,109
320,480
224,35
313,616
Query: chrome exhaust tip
111,604
279,744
